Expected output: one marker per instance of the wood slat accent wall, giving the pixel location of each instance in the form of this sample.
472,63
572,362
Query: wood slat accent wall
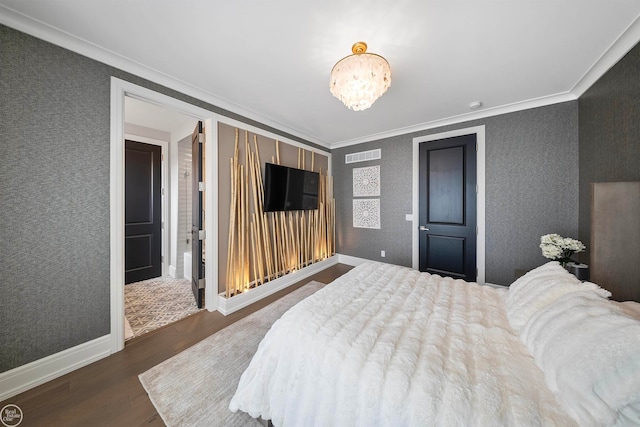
263,246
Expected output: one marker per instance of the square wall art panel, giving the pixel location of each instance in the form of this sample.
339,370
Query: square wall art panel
366,181
366,213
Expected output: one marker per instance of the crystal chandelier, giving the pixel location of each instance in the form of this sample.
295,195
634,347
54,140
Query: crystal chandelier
359,79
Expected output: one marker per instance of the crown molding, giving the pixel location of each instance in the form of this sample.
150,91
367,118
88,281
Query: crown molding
11,18
463,118
50,34
618,49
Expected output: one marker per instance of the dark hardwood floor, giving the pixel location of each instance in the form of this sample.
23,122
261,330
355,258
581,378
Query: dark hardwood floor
108,392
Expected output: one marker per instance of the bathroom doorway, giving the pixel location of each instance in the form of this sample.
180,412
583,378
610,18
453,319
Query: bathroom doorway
157,198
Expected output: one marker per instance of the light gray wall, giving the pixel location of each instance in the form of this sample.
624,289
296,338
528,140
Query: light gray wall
609,133
54,194
394,235
531,190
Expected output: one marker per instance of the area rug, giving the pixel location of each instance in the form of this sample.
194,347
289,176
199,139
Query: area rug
153,303
194,387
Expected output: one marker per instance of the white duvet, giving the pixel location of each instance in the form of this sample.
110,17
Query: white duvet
388,346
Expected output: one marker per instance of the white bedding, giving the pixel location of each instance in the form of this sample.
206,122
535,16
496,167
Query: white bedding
387,345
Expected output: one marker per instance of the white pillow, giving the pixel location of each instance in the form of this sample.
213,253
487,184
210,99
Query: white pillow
589,352
540,287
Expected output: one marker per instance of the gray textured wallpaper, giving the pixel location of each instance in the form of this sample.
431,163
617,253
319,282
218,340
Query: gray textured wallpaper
531,190
54,170
609,133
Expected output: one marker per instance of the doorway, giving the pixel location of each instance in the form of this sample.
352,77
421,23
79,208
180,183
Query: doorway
154,296
120,91
440,218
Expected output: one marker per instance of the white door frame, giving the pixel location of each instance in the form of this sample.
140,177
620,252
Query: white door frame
120,89
479,131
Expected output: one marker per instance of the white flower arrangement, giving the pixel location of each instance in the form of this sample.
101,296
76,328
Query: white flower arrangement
560,248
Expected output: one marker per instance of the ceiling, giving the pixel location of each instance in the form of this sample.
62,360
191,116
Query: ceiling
270,60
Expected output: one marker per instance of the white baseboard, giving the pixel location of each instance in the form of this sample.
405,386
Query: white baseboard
172,271
40,371
493,285
352,260
229,305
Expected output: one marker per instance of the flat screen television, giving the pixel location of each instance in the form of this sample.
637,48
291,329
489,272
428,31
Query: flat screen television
289,189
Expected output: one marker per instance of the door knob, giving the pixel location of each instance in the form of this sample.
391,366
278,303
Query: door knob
423,228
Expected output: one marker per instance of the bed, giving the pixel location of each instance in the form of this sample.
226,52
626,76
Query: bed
387,345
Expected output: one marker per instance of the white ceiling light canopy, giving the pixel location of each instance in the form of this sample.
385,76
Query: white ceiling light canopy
359,79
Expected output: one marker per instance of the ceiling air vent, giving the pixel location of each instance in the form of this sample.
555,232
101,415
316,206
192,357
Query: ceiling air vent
363,156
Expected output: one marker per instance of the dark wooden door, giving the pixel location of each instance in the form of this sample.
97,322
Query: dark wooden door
447,212
142,211
197,241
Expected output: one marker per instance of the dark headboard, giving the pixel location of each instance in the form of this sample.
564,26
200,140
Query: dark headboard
615,238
